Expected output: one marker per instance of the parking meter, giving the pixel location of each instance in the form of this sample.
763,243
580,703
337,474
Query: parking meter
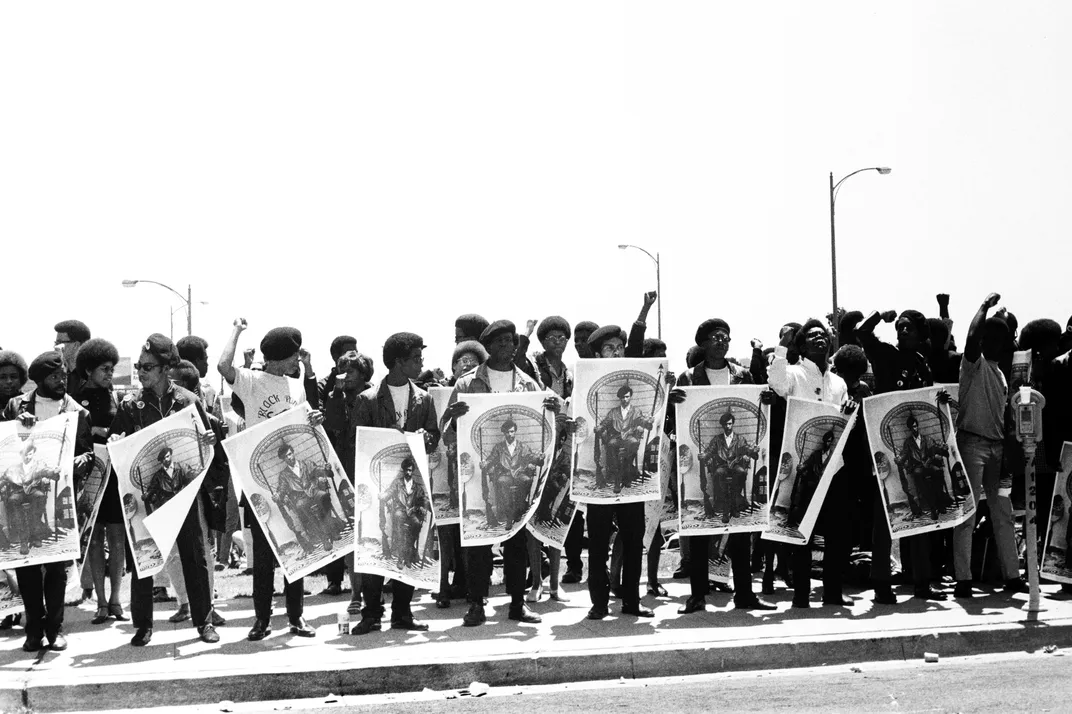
1027,404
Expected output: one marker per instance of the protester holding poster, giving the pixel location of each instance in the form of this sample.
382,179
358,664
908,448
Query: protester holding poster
399,404
38,472
157,399
1057,552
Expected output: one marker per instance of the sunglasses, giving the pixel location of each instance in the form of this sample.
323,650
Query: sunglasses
146,366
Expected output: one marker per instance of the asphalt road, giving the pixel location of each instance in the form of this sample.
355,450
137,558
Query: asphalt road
1037,682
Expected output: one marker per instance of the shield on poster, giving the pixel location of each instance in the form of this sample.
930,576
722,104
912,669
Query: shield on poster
37,491
922,481
298,490
443,467
620,405
722,460
815,435
1057,554
505,449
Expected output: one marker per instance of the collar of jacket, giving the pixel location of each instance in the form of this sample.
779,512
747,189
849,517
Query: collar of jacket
383,394
29,403
699,374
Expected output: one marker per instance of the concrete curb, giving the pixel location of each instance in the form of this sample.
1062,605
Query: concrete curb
41,692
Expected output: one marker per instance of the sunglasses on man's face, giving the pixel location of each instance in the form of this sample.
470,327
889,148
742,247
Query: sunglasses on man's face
146,366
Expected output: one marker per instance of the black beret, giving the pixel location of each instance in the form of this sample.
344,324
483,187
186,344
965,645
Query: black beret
850,320
281,343
597,338
586,326
1038,334
162,348
553,323
708,326
472,347
694,356
75,329
340,345
472,325
45,364
495,329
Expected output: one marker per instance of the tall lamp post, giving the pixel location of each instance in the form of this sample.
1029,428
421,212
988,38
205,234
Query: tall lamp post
188,300
833,244
658,285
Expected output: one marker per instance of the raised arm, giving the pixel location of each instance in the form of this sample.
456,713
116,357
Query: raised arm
972,349
226,364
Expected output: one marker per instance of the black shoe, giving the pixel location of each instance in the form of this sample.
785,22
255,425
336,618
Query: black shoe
142,637
929,594
367,625
1016,585
521,613
216,618
693,604
260,630
719,587
33,644
332,589
410,624
572,576
679,574
475,616
99,619
802,604
597,613
637,610
617,591
161,595
884,595
301,628
442,603
839,601
657,590
208,634
963,590
753,603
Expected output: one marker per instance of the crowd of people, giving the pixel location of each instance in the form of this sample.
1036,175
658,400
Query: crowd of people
839,361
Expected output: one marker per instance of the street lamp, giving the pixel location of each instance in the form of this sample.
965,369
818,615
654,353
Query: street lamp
833,245
188,300
180,307
658,285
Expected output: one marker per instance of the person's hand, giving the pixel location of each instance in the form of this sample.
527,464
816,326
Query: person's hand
943,300
208,439
82,461
100,432
456,410
537,461
552,404
116,437
757,344
677,396
27,420
240,324
785,337
849,406
529,327
944,397
649,298
766,397
306,360
247,356
888,315
316,418
991,300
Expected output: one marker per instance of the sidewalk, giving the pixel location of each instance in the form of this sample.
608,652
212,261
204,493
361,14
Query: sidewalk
101,670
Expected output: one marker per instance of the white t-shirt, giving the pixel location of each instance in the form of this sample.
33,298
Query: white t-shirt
266,395
718,377
46,408
501,381
400,400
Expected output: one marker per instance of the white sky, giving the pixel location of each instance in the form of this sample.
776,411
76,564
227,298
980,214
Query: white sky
375,167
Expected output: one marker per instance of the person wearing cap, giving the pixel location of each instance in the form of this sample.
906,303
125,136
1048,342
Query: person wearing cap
158,399
264,394
70,335
397,403
497,374
711,368
42,587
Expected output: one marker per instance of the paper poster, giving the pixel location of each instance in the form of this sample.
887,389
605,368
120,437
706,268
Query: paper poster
921,476
298,490
662,513
394,522
1057,553
442,467
815,436
619,405
88,497
505,448
550,523
723,443
37,489
165,461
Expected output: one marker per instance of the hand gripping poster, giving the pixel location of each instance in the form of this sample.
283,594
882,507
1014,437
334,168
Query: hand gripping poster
619,406
920,474
88,496
550,523
815,436
296,488
505,448
394,524
442,467
37,490
1057,555
723,443
159,470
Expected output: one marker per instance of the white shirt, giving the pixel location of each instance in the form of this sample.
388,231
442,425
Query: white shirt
46,408
804,380
266,395
400,400
500,380
718,377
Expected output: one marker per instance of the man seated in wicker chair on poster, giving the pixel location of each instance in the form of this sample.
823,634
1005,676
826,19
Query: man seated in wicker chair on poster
921,459
511,466
407,502
621,432
727,459
25,488
305,490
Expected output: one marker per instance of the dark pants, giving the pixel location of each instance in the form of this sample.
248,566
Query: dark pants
574,544
372,593
479,564
835,525
191,545
738,549
450,558
42,597
264,580
631,532
333,571
915,552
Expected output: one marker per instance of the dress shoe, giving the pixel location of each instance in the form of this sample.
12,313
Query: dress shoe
885,596
182,614
597,613
963,590
332,589
301,628
142,637
572,576
719,587
216,618
57,642
116,611
442,603
1016,585
679,574
12,620
367,625
408,623
161,595
260,630
208,634
33,643
753,603
558,596
837,601
520,612
101,617
637,610
693,604
929,594
657,590
475,616
802,604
